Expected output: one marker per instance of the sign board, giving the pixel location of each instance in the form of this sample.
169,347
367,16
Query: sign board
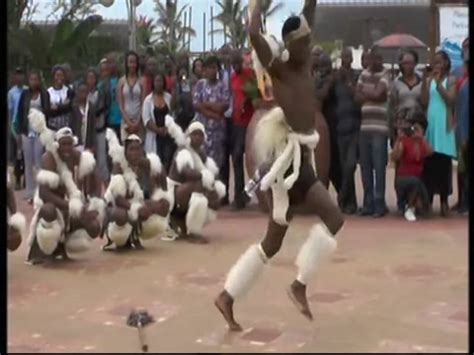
453,30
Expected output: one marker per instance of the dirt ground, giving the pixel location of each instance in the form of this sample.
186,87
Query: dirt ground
391,286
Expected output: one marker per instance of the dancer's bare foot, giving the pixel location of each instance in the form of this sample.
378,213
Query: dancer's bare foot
297,294
224,304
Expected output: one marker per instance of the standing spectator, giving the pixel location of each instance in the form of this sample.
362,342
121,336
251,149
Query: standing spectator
170,68
315,55
197,71
365,59
100,101
33,97
109,87
372,92
439,94
130,98
211,100
103,70
462,133
242,114
151,69
348,127
406,92
324,82
60,101
225,54
182,102
14,143
83,119
155,108
410,151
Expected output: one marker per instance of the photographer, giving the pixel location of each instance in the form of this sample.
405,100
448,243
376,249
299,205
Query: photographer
410,151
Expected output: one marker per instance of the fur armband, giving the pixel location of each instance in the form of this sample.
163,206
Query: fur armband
207,179
49,178
183,159
155,164
86,164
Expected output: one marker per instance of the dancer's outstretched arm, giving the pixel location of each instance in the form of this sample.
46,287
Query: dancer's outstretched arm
257,40
309,11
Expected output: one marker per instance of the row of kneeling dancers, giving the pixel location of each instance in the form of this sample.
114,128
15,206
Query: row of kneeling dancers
141,201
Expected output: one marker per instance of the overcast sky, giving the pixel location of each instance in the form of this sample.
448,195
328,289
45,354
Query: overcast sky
119,11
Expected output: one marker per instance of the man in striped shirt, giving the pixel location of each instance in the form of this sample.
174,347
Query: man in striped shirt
372,93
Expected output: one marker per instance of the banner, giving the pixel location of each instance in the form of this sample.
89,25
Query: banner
453,30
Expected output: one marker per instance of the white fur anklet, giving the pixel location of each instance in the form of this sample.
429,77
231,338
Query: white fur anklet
197,213
119,234
317,248
243,275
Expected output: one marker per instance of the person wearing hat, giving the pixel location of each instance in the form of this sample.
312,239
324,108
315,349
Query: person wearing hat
68,211
193,180
138,201
14,141
285,143
410,150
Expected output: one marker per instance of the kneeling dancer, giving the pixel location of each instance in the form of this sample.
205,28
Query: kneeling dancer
137,196
68,212
285,150
16,221
193,177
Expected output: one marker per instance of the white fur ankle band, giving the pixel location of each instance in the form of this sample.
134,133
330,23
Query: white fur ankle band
197,213
317,248
245,272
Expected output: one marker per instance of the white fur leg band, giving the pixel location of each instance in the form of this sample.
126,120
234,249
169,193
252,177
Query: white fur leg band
18,222
153,226
98,205
245,271
119,234
317,248
133,212
78,241
197,213
48,235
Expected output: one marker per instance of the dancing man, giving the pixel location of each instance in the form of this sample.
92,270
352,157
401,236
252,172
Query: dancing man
68,211
16,220
193,178
137,196
285,150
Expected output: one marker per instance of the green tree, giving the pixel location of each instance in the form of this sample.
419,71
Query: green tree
76,43
146,36
172,30
233,18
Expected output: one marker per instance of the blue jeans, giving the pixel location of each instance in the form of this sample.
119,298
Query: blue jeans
373,159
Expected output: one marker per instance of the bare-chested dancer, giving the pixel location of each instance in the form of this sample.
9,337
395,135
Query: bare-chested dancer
286,138
68,210
137,196
193,178
16,221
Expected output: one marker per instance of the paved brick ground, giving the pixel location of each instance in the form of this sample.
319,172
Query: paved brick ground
390,287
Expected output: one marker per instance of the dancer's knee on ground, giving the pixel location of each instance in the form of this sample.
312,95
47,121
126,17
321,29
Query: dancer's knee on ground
93,229
120,216
48,212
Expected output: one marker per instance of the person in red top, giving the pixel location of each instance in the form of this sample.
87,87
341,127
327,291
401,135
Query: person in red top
242,114
410,151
